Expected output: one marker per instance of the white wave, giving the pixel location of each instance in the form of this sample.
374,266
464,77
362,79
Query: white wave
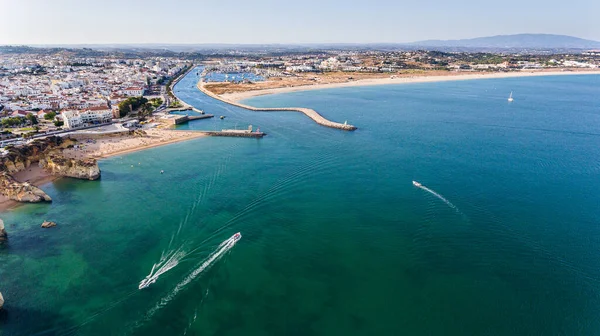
442,198
221,250
166,263
213,257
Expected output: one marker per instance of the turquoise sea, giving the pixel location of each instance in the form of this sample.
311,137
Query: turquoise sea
336,239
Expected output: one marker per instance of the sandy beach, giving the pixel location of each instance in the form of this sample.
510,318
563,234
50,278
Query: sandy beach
452,76
101,148
34,175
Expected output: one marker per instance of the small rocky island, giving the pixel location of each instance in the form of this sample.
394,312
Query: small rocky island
3,234
47,153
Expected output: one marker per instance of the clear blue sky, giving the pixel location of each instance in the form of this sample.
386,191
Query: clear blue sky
281,21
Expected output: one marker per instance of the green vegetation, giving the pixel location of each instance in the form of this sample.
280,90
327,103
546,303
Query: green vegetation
145,111
58,123
130,104
156,102
176,104
32,118
13,121
50,115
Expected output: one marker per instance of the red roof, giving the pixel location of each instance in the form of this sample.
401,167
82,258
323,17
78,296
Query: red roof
97,108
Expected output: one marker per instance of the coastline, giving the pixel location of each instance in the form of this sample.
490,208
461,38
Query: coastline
100,149
312,114
108,147
105,148
237,97
34,175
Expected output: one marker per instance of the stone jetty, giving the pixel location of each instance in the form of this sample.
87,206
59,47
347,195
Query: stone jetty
314,115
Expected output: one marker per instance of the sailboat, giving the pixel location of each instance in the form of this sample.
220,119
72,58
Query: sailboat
510,98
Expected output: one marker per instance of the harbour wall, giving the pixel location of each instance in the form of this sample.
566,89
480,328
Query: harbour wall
314,115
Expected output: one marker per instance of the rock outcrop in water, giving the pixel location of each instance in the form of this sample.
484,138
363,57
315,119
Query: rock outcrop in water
3,234
48,224
86,169
21,192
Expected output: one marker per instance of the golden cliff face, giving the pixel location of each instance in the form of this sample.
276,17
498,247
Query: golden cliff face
21,157
86,169
47,153
21,192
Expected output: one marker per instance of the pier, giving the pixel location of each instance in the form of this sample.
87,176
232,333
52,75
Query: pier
176,119
314,115
230,133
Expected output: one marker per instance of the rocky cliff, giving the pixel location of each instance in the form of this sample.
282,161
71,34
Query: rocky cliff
20,158
47,152
22,192
3,234
57,164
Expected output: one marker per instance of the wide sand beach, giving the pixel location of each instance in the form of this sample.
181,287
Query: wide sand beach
402,79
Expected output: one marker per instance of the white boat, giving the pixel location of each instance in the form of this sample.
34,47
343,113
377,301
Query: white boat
237,237
417,184
510,98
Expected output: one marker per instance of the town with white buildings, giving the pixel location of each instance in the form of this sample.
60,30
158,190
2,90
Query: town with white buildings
65,90
79,91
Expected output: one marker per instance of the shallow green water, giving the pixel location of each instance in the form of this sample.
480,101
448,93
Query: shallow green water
336,239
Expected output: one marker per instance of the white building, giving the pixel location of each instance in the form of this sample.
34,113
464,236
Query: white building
134,91
94,115
72,119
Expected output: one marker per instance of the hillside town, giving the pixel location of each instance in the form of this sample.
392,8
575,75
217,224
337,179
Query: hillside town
71,92
49,91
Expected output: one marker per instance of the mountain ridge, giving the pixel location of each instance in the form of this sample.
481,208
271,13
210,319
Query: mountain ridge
536,41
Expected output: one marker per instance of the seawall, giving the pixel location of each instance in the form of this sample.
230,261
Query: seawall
314,115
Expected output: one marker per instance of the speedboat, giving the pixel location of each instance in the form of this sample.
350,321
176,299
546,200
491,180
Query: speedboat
237,237
146,282
417,184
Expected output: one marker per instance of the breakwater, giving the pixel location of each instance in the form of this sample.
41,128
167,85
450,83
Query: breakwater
176,119
228,133
314,115
236,134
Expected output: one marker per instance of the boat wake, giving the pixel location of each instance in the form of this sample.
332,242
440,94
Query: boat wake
166,263
221,250
442,198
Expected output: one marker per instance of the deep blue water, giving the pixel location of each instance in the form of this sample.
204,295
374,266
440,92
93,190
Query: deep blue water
336,239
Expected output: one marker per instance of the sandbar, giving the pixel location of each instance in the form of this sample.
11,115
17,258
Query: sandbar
402,79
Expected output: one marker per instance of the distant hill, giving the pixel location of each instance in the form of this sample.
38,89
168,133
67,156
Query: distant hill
518,41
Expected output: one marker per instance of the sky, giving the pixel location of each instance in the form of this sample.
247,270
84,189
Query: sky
281,21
